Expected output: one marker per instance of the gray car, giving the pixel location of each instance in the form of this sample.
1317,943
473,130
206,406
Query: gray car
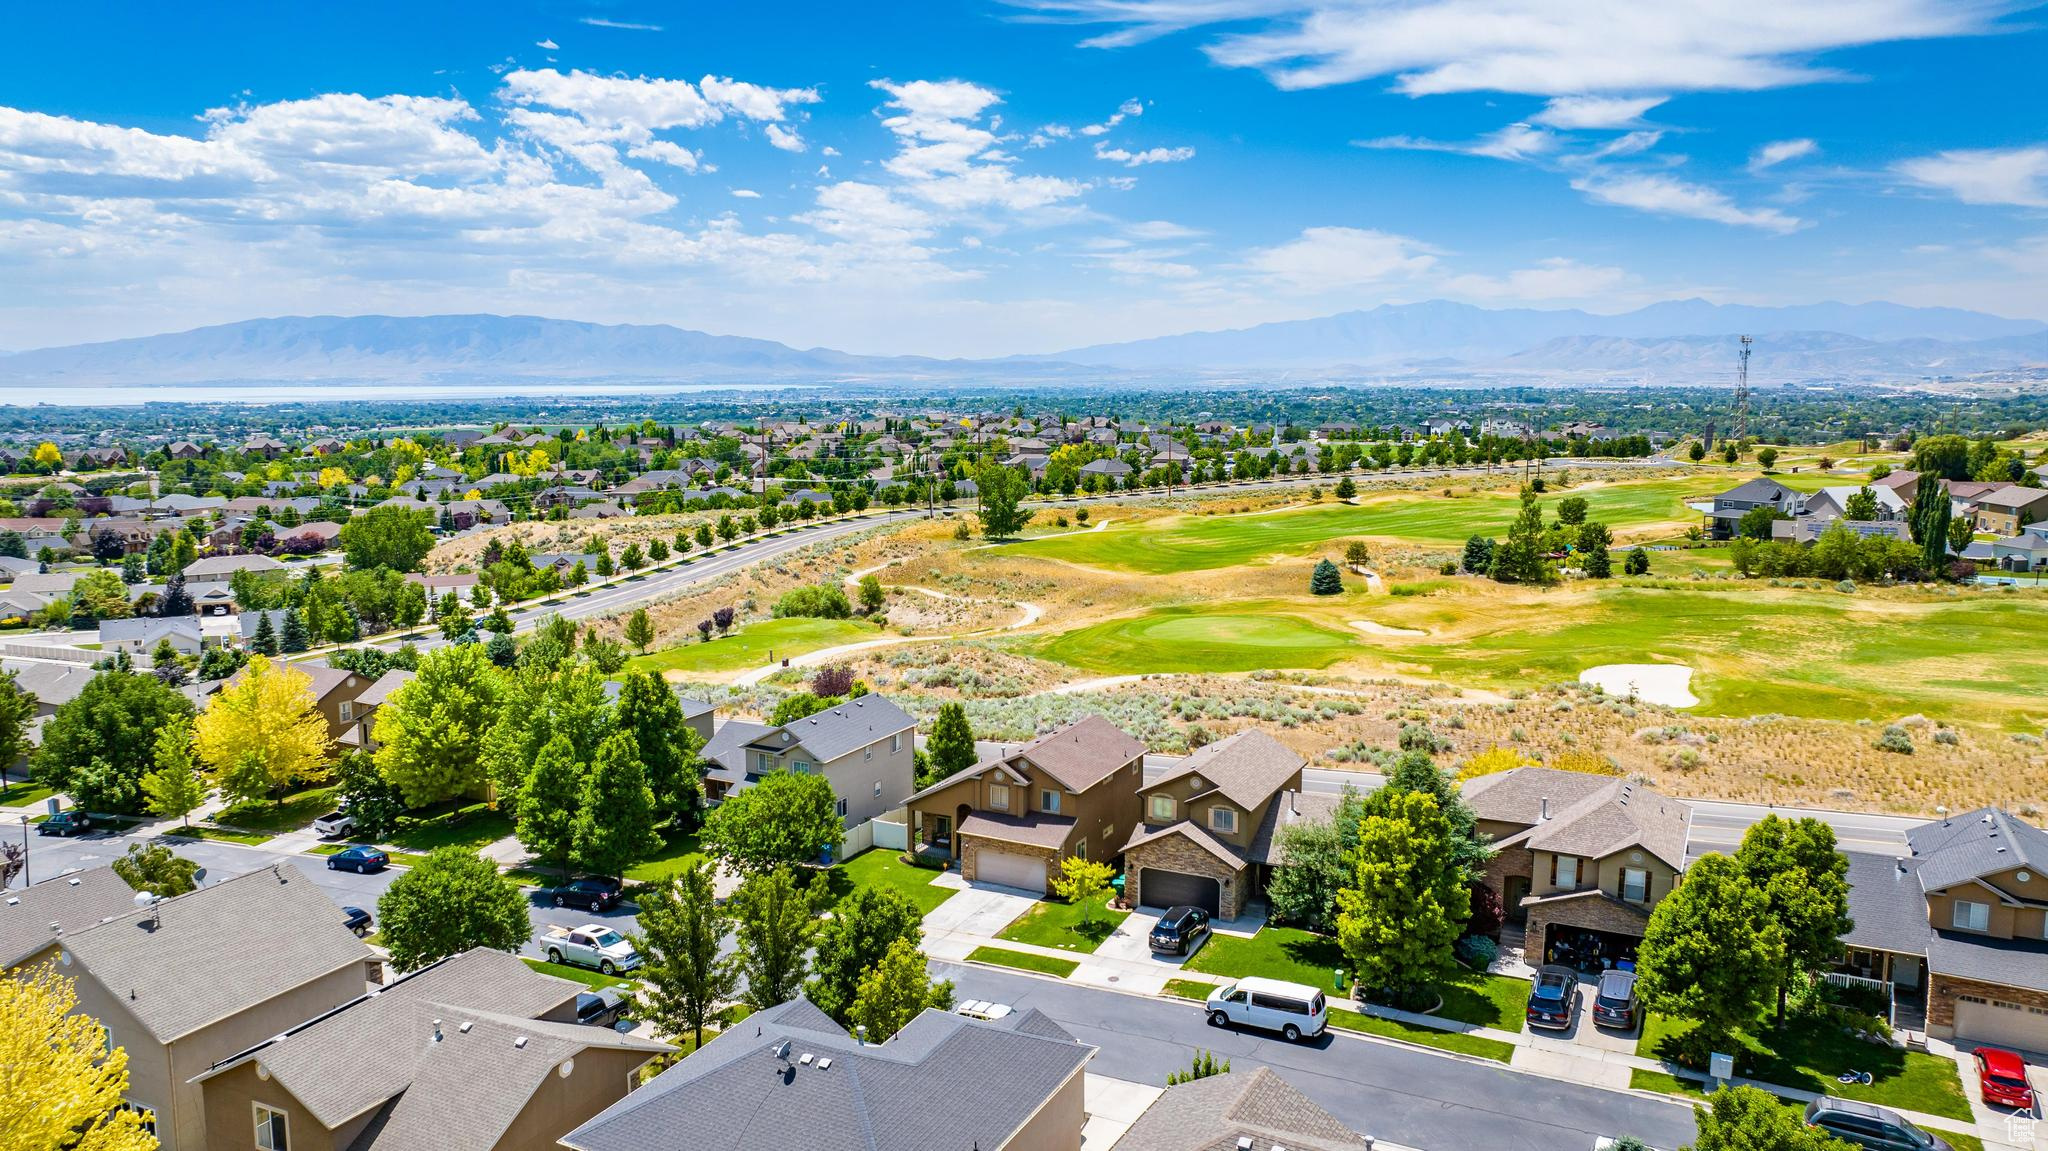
1871,1126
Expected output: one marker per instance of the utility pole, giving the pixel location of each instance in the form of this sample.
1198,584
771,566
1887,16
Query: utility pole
1742,391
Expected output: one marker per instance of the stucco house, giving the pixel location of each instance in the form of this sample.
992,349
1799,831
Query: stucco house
864,747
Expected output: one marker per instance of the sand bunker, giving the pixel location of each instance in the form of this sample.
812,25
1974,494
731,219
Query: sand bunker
1370,628
1669,684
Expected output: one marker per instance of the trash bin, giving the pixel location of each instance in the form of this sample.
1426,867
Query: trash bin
1338,973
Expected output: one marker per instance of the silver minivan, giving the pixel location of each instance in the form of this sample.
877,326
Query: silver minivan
1295,1010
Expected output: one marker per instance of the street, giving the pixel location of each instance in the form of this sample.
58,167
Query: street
1386,1090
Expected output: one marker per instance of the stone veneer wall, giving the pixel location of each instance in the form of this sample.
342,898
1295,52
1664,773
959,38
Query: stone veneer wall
1176,854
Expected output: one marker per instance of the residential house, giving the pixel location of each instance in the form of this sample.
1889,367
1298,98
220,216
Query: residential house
35,920
141,635
334,693
792,1078
1833,503
461,583
208,569
1728,508
477,1044
1578,858
184,983
184,450
326,446
2004,511
1010,819
266,446
1211,825
863,748
1238,1111
362,721
725,758
2026,551
1109,469
1902,483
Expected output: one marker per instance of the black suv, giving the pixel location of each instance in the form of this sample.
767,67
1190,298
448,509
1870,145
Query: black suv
1180,931
590,893
1553,997
601,1007
1867,1125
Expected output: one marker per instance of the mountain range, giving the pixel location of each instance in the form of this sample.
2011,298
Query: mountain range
1672,342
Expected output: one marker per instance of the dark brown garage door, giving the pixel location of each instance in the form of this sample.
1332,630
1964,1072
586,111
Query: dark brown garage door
1174,888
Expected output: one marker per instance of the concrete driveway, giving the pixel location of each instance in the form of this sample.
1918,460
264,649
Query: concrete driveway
1132,940
980,909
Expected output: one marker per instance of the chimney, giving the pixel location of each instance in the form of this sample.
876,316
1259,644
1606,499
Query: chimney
1545,810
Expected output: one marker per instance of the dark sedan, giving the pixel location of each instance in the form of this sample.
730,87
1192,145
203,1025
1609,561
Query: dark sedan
1553,997
361,860
65,823
589,893
357,920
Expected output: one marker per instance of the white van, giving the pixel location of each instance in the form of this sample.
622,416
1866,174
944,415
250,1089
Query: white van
1295,1010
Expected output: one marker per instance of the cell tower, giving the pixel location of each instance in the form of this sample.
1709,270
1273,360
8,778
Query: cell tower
1742,392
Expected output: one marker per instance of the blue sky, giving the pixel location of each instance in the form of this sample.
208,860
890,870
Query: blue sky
980,178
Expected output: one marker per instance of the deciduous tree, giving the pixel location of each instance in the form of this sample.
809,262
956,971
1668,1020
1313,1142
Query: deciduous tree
773,933
1407,901
639,629
175,788
1751,1119
668,747
97,747
157,869
549,803
64,1084
681,925
784,819
1082,882
432,729
1805,881
451,902
17,708
895,990
1704,949
262,731
615,819
390,537
854,941
1002,491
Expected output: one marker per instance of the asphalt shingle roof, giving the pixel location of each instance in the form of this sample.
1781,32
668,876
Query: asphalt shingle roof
71,902
852,725
1247,767
1971,846
1886,904
1610,815
1036,829
1083,754
1213,1114
943,1081
1517,795
167,960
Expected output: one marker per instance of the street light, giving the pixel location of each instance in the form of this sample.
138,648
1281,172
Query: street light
24,850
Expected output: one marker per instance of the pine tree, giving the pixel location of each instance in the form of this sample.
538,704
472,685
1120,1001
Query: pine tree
294,637
1519,558
1325,580
951,743
615,827
265,640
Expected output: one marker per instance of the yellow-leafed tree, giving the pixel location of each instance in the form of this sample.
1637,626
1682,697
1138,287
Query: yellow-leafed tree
60,1087
47,455
332,477
263,731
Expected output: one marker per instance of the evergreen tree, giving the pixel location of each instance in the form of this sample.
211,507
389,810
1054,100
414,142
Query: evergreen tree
265,640
1593,542
1637,563
293,638
1325,580
950,744
1478,558
1520,558
615,827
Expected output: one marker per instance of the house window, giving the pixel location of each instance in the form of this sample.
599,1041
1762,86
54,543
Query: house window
1223,819
1049,801
1566,874
896,743
1081,850
868,752
1972,916
801,766
147,1112
999,796
840,807
273,1129
878,789
1635,884
348,711
1162,807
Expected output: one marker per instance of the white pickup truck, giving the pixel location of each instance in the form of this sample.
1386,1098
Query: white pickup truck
335,825
591,945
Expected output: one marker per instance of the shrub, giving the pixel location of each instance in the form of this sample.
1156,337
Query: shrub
1476,951
1895,740
818,601
1493,759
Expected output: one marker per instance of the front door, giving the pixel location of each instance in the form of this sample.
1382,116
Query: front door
1513,889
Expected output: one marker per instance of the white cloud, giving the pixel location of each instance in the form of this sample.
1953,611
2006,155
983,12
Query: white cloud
1595,112
550,45
1514,142
1160,230
1669,196
1629,144
2014,176
947,159
1537,47
1328,258
754,101
1123,112
1556,278
746,193
1131,159
622,25
785,138
666,152
1779,151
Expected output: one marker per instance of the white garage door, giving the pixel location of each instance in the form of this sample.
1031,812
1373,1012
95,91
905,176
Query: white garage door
1010,869
2000,1022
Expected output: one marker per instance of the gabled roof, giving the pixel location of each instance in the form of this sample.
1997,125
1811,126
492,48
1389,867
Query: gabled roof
1217,1113
1082,754
1762,489
1887,908
379,691
69,904
1247,767
1186,829
727,748
1604,815
1291,808
835,731
1518,794
187,962
1036,828
943,1081
1984,842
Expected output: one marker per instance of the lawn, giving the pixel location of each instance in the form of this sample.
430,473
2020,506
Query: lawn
1479,1045
1287,953
585,976
398,858
1496,1001
1696,1091
470,825
881,867
223,834
1183,543
1067,926
1023,961
755,644
279,816
1240,636
1193,989
23,792
679,852
1808,1055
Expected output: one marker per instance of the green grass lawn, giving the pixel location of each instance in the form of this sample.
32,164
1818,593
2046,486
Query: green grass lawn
224,834
679,852
1483,1000
883,867
1696,1091
1287,953
1067,926
754,644
398,858
1241,636
1808,1054
470,825
1193,989
1478,1045
1199,543
279,816
582,975
1023,961
23,792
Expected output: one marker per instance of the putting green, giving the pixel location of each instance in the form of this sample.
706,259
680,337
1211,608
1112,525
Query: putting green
1243,637
1183,543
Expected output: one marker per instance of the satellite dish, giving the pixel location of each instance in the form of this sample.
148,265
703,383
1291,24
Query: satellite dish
782,1050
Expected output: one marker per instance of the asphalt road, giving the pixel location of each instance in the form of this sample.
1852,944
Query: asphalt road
1385,1090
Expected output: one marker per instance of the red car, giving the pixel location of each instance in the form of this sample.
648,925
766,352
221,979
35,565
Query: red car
2003,1077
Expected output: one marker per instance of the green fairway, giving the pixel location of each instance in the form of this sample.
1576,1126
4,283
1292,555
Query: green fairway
755,644
1197,543
1248,636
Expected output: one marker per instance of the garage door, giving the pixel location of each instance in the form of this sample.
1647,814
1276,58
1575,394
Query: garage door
1174,888
1010,869
2002,1023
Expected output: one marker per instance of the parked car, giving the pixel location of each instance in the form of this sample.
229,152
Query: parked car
1614,1003
357,920
362,859
1180,931
1553,997
1871,1126
2002,1075
591,945
335,825
982,1009
589,893
602,1007
1295,1010
65,823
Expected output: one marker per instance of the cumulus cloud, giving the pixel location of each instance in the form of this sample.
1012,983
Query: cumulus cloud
1669,196
1130,159
785,138
1779,151
2008,176
1328,258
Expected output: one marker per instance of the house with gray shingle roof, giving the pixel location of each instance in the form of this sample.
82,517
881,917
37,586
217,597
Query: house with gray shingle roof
864,747
789,1077
1011,818
1210,826
35,920
1237,1110
1579,858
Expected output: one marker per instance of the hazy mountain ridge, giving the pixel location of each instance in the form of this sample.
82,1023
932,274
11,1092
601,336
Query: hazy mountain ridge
1675,341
